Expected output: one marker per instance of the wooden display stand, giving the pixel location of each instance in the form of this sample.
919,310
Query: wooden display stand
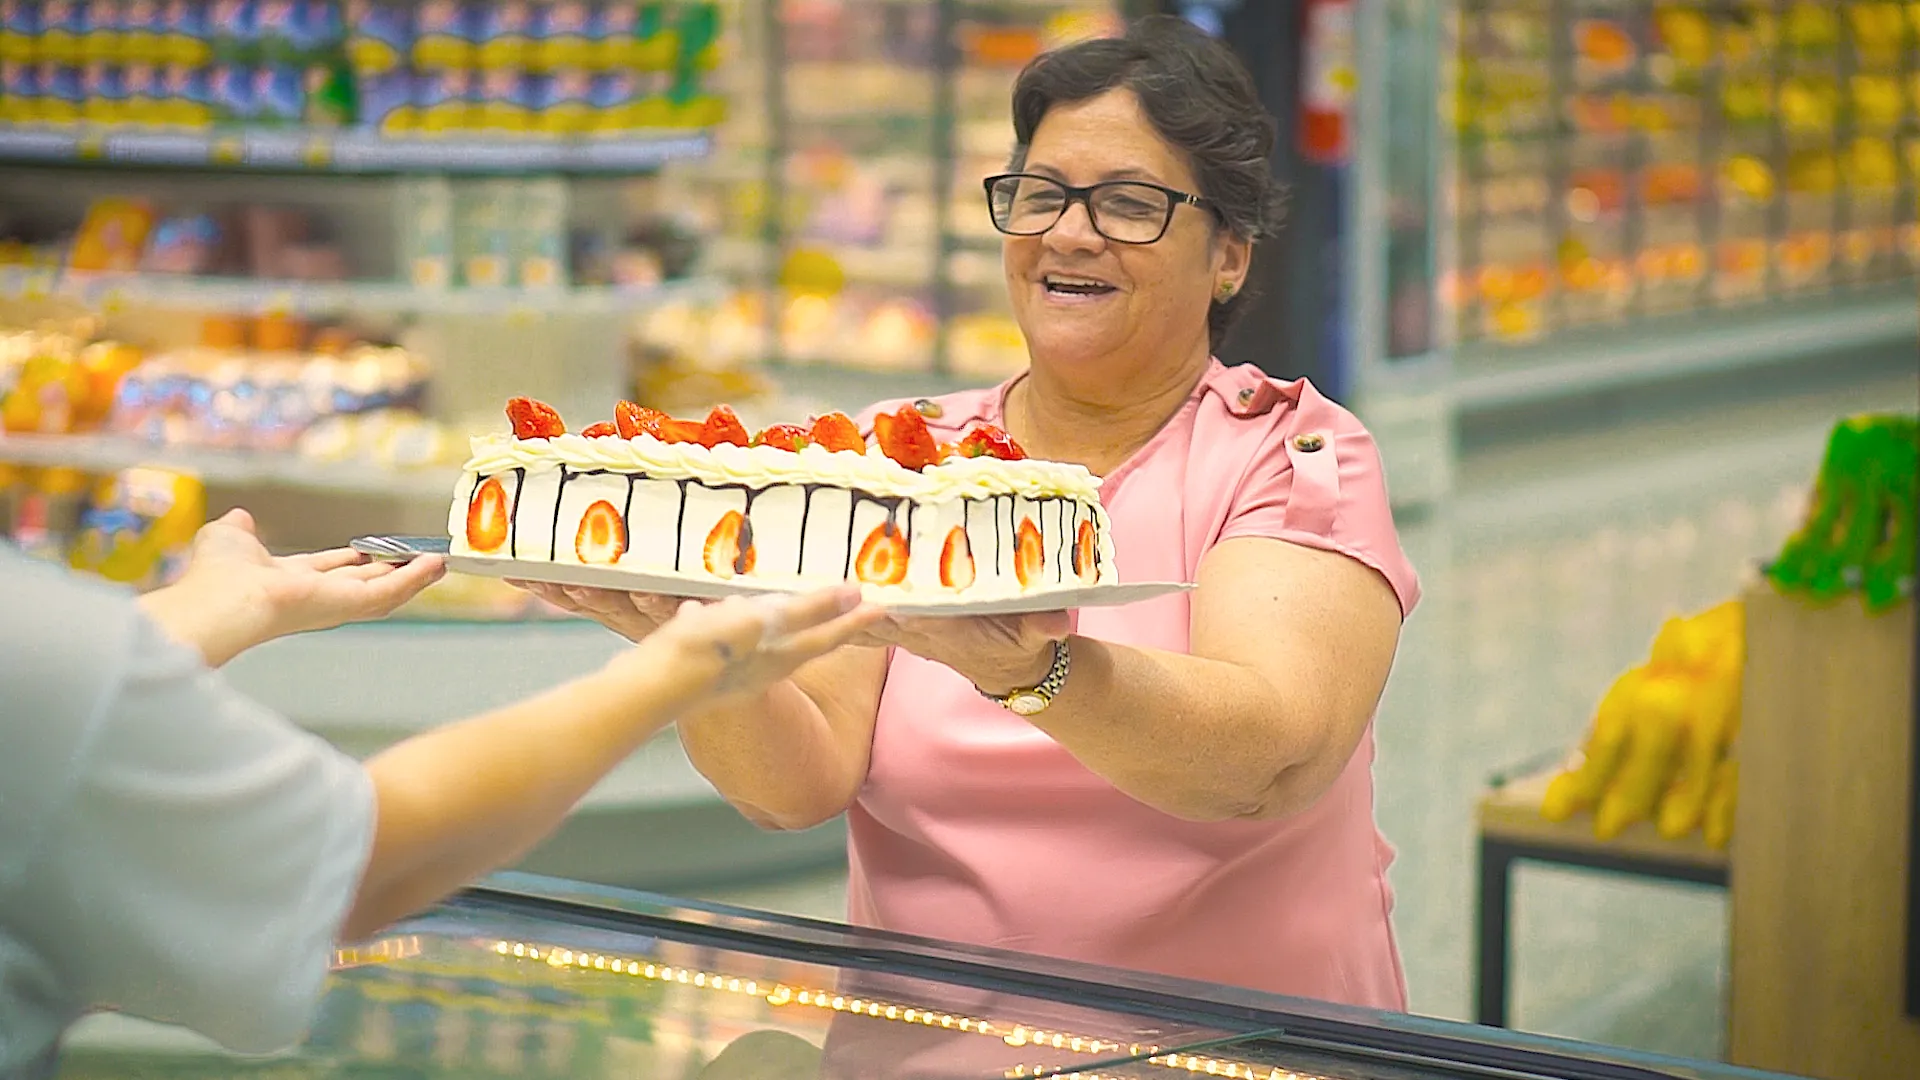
1820,842
1512,831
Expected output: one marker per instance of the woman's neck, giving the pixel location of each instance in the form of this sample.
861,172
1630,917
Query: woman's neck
1100,426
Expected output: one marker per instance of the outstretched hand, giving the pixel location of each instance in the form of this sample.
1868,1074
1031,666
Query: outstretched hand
739,647
236,594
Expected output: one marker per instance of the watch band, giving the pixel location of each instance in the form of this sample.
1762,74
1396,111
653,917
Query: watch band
1031,701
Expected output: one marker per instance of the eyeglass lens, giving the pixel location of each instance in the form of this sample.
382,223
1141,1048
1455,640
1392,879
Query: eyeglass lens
1124,211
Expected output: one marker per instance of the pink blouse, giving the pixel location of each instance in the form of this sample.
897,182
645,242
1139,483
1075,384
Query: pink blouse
975,826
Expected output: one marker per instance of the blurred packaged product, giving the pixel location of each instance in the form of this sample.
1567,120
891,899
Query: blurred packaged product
137,527
46,515
425,244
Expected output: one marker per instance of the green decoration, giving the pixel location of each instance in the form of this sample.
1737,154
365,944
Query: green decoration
1858,536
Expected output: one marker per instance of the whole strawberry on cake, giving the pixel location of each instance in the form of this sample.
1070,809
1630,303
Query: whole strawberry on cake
796,503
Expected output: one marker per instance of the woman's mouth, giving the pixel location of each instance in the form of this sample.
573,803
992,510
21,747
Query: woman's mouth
1068,286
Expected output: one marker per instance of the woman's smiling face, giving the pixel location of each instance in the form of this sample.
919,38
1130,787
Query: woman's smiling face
1126,307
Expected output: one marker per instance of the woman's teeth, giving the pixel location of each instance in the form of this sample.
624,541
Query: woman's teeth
1077,286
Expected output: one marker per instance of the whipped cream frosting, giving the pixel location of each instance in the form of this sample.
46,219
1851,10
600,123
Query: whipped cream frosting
765,466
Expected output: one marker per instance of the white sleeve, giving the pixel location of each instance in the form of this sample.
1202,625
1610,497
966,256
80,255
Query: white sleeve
203,855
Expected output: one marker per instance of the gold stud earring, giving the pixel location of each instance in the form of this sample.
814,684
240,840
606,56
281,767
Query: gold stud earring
1226,290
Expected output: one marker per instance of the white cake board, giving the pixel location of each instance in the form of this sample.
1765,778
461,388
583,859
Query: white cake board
896,600
1059,598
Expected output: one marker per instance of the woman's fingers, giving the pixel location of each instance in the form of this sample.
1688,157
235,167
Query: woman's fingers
331,559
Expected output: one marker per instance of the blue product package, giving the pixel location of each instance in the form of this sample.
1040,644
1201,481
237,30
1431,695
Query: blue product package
62,26
60,95
141,84
612,99
184,36
562,102
103,27
501,33
185,100
506,101
384,102
230,92
443,35
611,35
103,95
560,35
19,92
19,29
275,24
236,30
279,94
142,30
379,35
319,30
442,100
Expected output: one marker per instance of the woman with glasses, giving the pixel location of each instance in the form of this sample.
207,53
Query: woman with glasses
1183,785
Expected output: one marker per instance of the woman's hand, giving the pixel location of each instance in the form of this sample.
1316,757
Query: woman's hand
741,646
999,653
235,594
631,615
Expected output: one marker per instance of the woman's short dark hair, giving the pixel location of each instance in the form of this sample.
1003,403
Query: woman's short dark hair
1197,95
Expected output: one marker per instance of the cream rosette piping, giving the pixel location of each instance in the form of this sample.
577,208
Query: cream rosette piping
766,466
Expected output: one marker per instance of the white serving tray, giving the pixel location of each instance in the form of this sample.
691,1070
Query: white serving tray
1063,598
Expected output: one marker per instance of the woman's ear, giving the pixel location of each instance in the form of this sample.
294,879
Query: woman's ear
1232,257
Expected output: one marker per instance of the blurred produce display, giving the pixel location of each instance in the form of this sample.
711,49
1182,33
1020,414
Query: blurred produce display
1618,159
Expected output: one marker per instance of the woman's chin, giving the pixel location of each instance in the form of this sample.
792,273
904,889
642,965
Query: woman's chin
1063,349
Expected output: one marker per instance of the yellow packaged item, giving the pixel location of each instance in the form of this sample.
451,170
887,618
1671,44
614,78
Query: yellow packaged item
113,236
140,526
49,388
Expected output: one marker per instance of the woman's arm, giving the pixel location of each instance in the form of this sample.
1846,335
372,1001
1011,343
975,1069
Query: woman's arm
789,759
1290,650
456,802
797,756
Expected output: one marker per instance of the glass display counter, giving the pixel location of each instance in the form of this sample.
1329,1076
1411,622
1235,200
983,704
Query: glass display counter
533,977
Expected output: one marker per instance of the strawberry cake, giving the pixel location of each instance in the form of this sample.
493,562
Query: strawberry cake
795,504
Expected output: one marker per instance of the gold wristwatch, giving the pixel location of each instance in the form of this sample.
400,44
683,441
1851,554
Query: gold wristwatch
1031,701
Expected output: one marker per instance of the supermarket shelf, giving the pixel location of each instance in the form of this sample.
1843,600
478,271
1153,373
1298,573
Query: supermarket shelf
346,151
316,298
1490,378
232,468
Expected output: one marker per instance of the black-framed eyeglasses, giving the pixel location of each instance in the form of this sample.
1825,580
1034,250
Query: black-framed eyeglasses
1123,211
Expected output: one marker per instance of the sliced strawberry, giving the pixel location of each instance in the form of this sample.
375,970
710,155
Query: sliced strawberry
637,420
723,426
883,557
534,419
601,430
783,437
602,536
488,516
729,551
1086,554
836,432
986,440
680,431
1029,554
903,436
956,560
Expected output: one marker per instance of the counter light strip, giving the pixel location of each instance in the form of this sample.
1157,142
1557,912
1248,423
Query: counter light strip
1013,1035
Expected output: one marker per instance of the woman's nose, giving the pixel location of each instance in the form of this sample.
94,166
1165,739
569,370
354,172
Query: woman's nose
1074,231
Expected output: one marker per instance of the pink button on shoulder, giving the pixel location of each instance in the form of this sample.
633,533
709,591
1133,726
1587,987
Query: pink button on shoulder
974,826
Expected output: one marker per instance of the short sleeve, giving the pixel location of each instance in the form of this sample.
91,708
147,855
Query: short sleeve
203,852
1318,481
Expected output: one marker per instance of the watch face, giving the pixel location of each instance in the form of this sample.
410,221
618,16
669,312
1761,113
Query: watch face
1026,704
